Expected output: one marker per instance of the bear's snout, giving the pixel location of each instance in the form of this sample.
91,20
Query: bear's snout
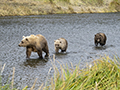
98,40
18,45
56,45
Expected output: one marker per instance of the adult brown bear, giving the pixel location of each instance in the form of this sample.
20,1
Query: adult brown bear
100,38
35,43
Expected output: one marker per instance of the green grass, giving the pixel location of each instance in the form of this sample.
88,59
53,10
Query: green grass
7,86
103,75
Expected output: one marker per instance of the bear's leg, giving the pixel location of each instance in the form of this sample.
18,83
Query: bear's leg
40,53
102,44
46,50
56,50
28,52
63,50
96,44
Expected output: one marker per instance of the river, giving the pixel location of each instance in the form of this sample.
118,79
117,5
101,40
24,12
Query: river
77,29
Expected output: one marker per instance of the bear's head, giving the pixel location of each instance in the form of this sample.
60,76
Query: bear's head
58,43
24,42
98,38
28,41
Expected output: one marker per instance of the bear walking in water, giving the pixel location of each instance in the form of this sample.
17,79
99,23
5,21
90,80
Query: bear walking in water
100,38
35,43
61,44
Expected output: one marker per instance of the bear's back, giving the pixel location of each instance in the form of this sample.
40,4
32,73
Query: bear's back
64,40
103,35
65,43
42,40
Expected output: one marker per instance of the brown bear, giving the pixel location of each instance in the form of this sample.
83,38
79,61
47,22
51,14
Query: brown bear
100,38
61,44
35,43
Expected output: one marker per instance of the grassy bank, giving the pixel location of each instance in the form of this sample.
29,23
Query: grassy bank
37,7
101,74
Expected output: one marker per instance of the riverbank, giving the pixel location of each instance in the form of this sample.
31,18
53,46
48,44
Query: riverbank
38,7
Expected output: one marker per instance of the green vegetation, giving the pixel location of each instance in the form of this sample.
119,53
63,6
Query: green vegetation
37,7
115,4
104,74
101,74
7,86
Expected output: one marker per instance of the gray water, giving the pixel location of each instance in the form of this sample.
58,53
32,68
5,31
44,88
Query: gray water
78,29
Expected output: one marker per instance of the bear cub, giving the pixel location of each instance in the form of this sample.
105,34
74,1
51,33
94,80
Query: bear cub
61,44
100,38
35,43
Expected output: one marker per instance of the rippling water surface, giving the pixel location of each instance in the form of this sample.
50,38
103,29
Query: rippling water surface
78,29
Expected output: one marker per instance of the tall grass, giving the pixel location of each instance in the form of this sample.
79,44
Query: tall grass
104,74
7,86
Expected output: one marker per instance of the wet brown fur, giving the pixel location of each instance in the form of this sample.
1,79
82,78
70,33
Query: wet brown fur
37,43
64,48
100,38
66,45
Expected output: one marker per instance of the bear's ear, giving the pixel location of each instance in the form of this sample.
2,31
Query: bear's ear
23,36
32,35
26,39
54,40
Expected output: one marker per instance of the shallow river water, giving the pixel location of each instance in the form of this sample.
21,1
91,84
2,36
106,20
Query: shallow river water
78,29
